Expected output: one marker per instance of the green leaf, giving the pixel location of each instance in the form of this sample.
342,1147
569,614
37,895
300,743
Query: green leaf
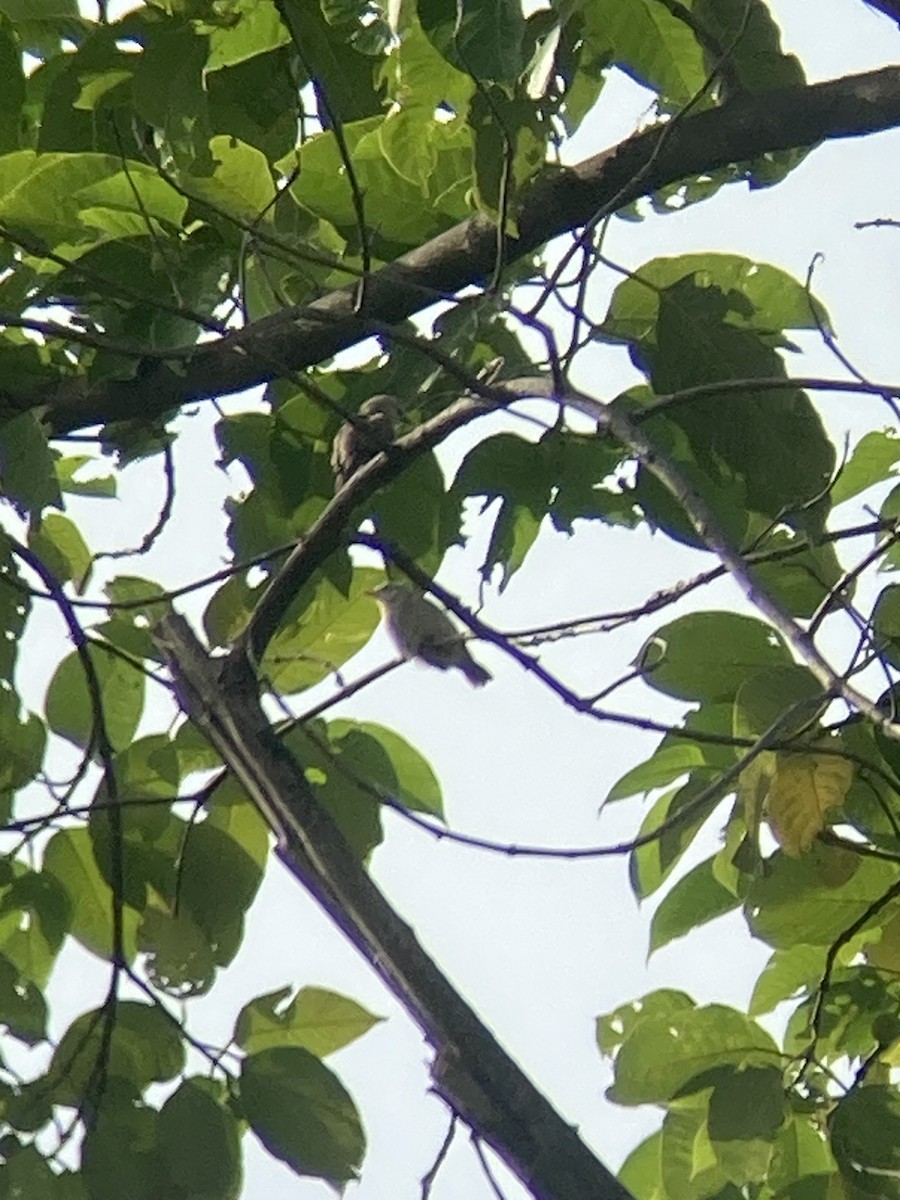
872,461
653,861
35,912
27,1173
641,1172
84,197
26,461
664,1055
792,696
586,480
143,1047
344,74
821,893
613,1028
760,296
58,543
137,842
179,958
865,1138
886,624
649,42
397,211
510,148
252,100
12,88
24,741
15,605
69,858
800,1151
722,488
387,760
707,655
317,1020
805,580
788,971
667,763
168,92
256,30
753,40
240,184
703,319
325,628
24,1108
858,1018
690,1168
747,1103
301,1113
34,10
146,771
350,800
100,486
199,1141
415,512
519,474
890,511
232,813
694,900
219,881
406,142
23,1010
69,704
120,1154
423,75
483,38
193,751
130,627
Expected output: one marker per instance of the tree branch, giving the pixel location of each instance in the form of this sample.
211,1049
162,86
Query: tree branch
471,1070
559,201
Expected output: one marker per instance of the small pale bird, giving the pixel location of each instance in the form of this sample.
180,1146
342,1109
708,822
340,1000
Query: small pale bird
422,630
374,427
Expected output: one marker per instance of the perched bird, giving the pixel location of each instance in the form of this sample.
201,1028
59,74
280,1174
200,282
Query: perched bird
373,428
422,630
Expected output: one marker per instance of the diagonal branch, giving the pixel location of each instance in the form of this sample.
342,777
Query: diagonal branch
559,201
471,1070
329,531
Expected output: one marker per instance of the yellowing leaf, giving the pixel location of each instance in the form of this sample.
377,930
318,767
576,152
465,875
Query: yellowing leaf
804,788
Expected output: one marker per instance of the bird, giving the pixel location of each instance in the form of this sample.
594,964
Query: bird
371,430
422,630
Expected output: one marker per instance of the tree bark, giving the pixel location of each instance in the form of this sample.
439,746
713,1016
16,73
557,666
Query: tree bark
471,1071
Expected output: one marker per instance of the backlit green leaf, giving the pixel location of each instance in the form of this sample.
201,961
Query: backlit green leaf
301,1113
74,710
708,655
315,1019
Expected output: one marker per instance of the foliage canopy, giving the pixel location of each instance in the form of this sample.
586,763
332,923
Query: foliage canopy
199,196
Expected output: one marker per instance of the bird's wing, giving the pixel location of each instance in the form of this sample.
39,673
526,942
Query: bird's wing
440,643
342,448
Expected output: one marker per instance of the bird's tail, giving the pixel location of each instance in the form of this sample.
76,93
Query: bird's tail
475,672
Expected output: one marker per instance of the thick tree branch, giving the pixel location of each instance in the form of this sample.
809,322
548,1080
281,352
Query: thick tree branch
890,8
560,201
471,1070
